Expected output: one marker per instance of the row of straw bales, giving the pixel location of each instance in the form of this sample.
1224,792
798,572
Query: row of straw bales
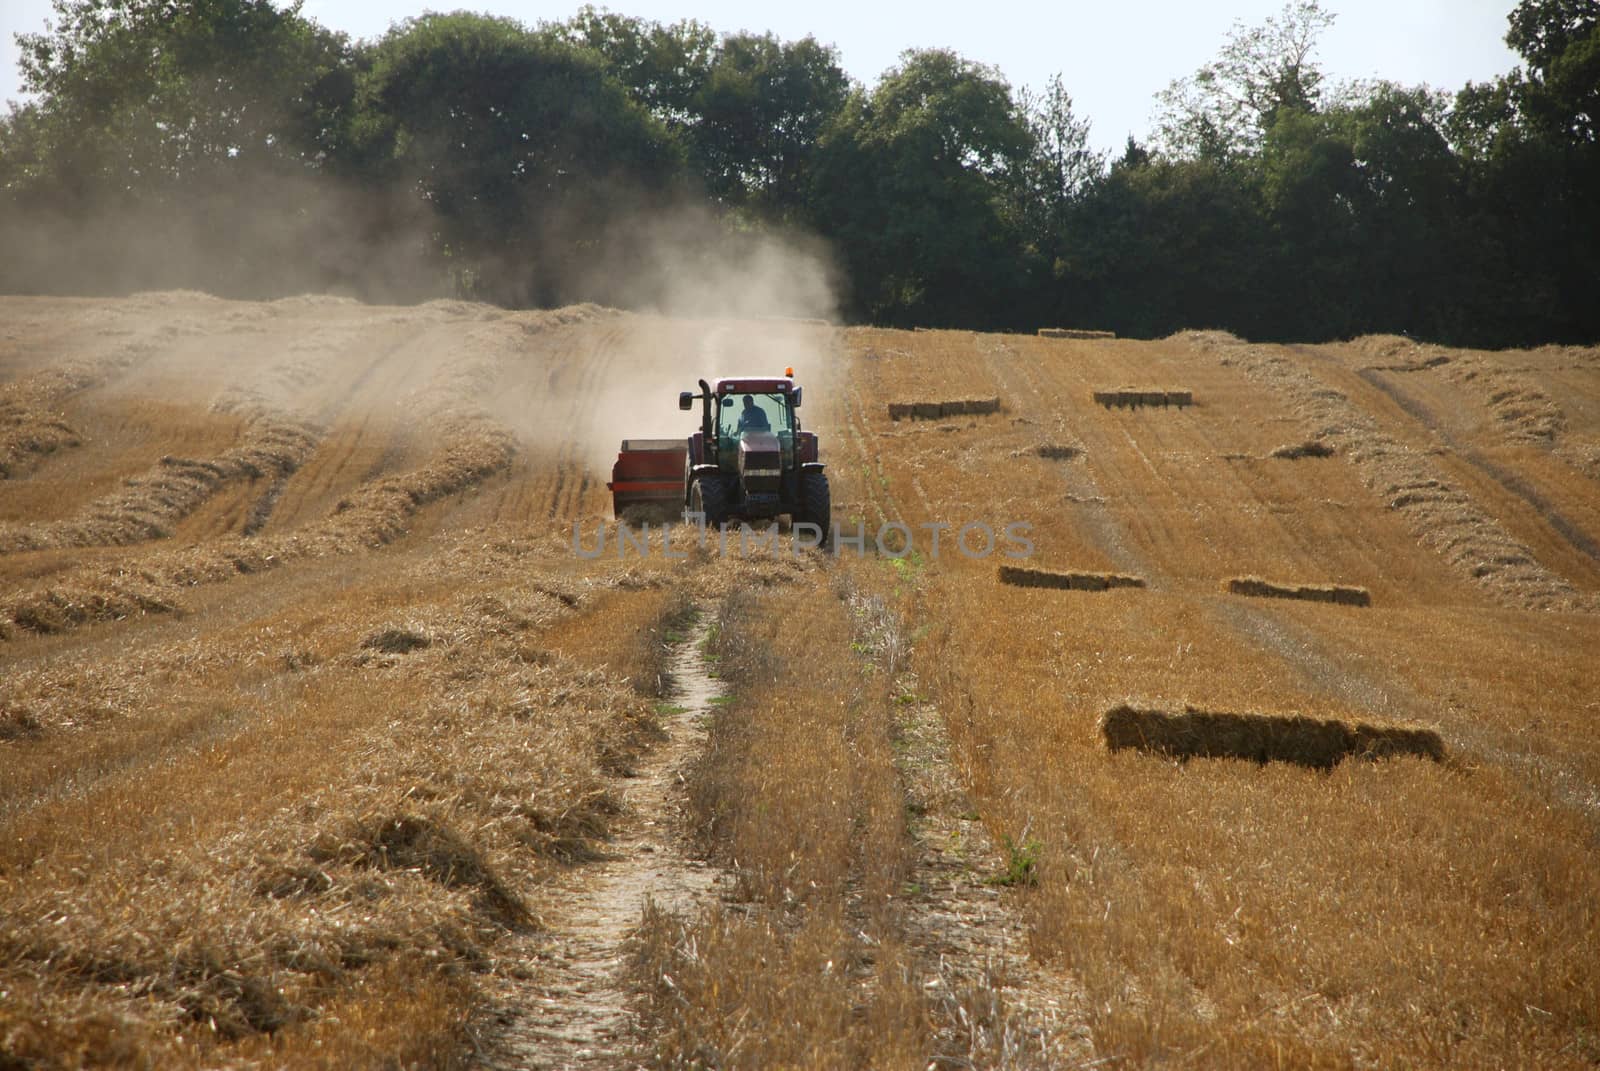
940,410
1028,577
1318,743
1133,399
1341,594
1073,332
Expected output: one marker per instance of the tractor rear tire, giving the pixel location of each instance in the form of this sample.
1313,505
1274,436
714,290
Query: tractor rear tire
815,504
708,496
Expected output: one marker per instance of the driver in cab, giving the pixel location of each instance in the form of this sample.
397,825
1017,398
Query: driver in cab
752,417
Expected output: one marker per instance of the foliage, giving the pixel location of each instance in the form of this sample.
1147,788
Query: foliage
141,95
1226,107
514,164
909,185
663,67
1022,862
520,145
759,115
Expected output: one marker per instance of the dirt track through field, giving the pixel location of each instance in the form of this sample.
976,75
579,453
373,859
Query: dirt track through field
573,1010
969,939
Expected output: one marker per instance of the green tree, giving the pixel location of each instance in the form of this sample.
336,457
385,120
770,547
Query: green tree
759,115
1224,109
1558,88
1161,244
150,97
1058,172
664,67
1532,158
173,142
911,184
523,150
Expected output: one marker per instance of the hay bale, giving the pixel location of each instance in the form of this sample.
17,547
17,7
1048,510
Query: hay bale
396,640
1028,577
1296,451
1249,586
1058,452
1255,587
1350,596
1071,332
1134,398
1021,577
1389,741
1316,743
928,410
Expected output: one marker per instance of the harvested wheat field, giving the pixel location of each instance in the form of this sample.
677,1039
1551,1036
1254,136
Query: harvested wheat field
322,746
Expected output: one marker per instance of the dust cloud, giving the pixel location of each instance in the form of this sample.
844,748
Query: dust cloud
707,298
707,303
255,237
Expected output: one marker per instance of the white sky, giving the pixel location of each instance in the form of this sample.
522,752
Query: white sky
1113,57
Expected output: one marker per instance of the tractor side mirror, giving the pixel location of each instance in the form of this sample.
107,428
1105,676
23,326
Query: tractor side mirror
686,400
797,397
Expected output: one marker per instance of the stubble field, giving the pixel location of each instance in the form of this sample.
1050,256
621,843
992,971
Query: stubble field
321,747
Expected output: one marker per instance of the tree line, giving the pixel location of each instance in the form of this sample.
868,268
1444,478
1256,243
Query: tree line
240,147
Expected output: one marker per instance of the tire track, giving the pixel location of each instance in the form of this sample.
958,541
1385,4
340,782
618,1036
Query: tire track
1439,514
575,1014
566,471
367,441
1575,537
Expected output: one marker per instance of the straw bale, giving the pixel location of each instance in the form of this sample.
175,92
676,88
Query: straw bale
936,410
1309,448
1317,743
1255,587
1072,332
1058,451
1135,398
1028,577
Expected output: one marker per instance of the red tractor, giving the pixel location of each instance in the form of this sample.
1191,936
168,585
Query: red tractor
749,461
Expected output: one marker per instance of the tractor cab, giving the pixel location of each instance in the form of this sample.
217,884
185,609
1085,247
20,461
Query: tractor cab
741,411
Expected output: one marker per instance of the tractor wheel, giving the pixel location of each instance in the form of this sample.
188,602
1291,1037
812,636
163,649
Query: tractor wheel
815,506
708,497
